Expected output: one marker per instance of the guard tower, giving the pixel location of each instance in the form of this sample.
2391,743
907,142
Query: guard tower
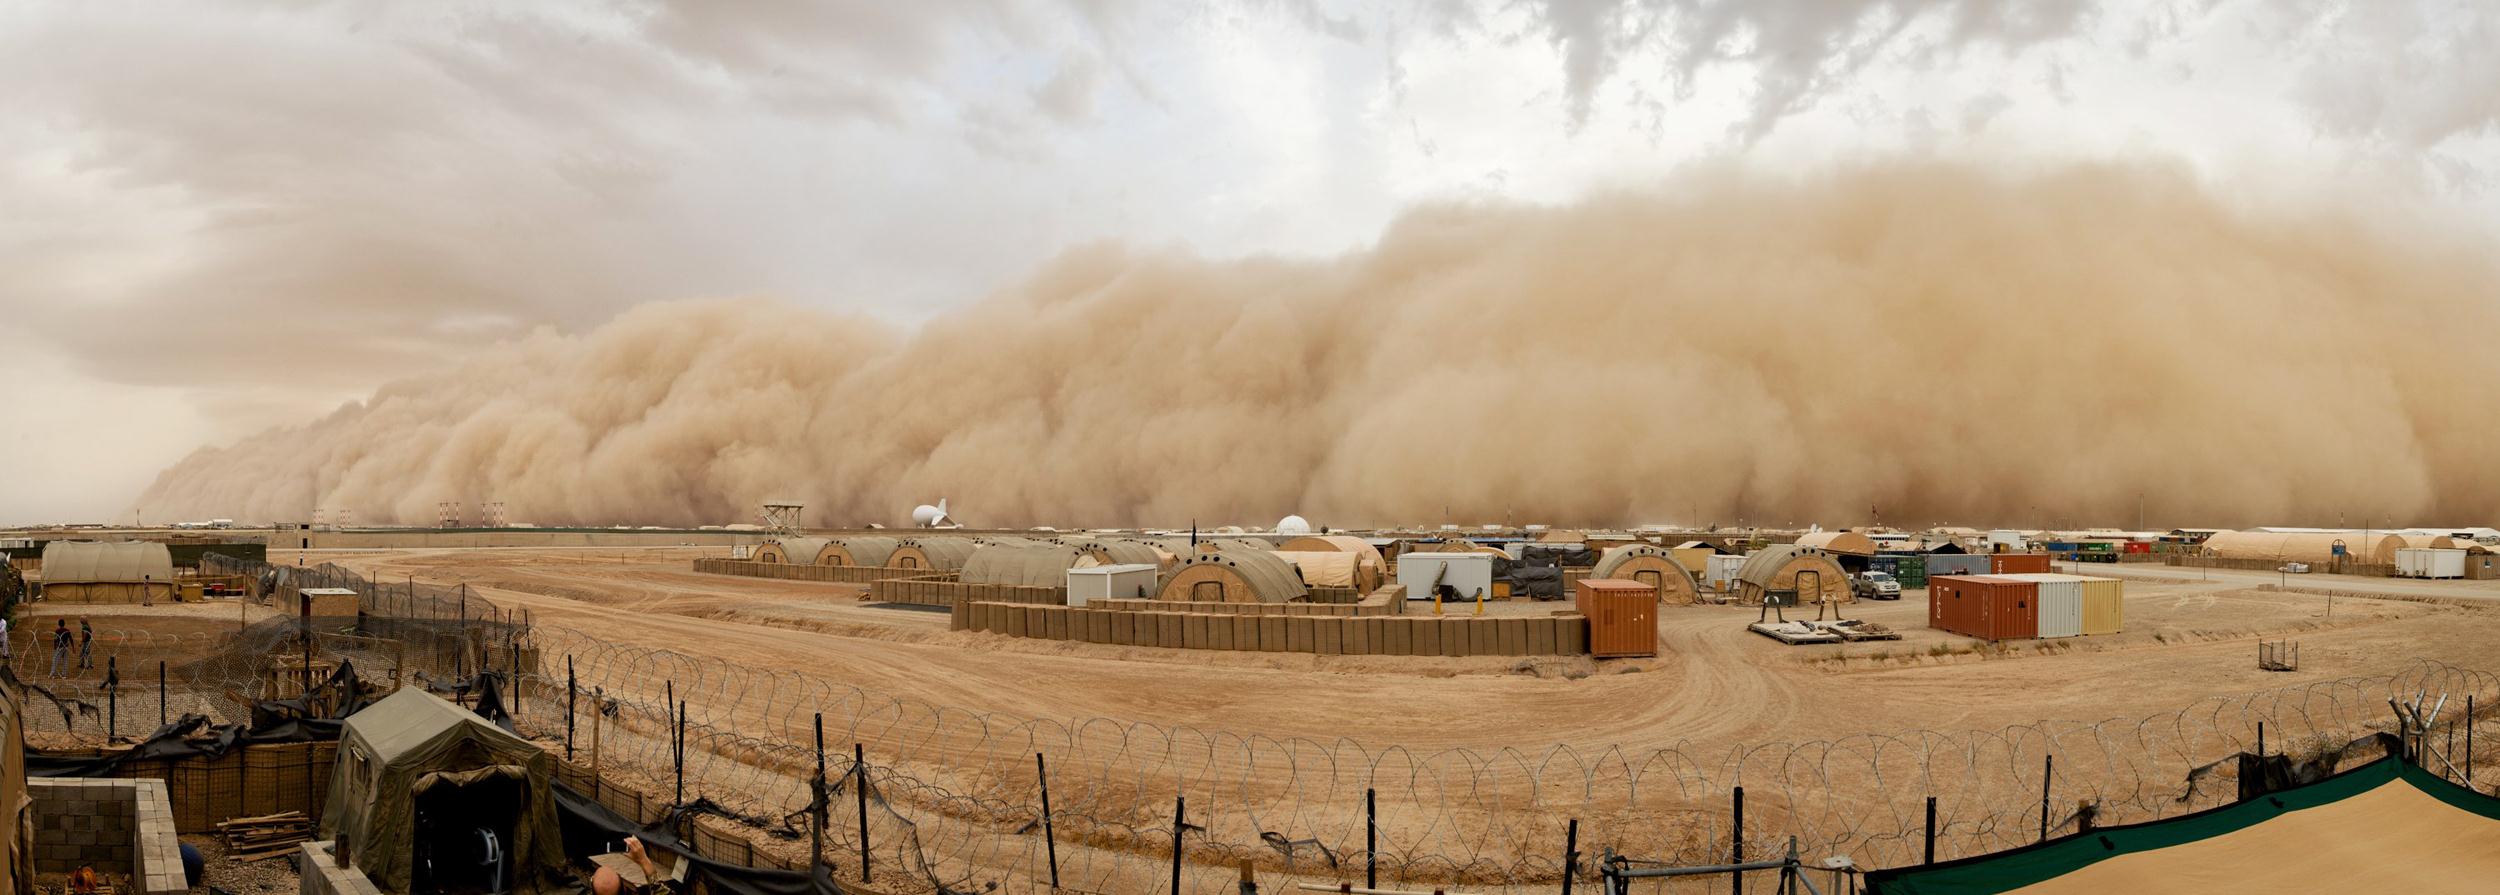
781,517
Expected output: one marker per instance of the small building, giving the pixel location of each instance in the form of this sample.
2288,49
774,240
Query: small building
414,768
107,572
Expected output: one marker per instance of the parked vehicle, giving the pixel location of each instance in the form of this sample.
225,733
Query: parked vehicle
1876,586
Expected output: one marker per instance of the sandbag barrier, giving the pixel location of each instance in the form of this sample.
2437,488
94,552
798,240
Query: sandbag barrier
1561,634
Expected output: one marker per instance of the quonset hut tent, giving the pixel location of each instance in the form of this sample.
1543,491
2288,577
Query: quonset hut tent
1650,565
862,551
938,554
2387,826
1235,576
1043,566
2311,547
414,747
107,572
797,551
1782,566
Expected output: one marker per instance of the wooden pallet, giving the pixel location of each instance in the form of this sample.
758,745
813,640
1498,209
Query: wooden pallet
268,836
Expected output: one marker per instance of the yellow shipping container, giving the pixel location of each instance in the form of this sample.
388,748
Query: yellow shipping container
2104,605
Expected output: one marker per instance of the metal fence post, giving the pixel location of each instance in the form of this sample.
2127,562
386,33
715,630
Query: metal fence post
1931,830
160,694
2048,769
572,699
816,803
1371,840
1180,812
859,786
1571,856
1050,835
1736,878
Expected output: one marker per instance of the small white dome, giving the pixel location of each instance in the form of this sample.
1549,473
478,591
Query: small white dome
1293,525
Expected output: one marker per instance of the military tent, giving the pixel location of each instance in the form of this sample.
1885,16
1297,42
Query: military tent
416,772
107,572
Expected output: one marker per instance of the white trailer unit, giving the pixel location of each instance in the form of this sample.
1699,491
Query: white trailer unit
1466,574
1131,581
1720,569
2430,562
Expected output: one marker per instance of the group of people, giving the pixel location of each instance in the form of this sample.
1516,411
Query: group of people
62,639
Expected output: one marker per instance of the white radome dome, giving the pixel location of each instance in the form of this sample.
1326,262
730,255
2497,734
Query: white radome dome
1293,525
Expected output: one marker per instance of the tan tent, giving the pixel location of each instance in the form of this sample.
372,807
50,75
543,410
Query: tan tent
937,554
1113,552
414,756
1329,568
794,551
867,551
1781,566
2431,542
1339,543
1235,576
1042,566
2314,548
1650,565
1847,543
107,572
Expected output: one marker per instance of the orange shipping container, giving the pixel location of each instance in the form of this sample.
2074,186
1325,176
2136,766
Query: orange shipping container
1984,606
1623,616
2018,563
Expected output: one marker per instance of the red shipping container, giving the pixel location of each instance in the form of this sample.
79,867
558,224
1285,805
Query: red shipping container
1623,616
1984,606
2018,563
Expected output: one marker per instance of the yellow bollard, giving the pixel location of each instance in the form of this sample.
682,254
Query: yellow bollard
1436,601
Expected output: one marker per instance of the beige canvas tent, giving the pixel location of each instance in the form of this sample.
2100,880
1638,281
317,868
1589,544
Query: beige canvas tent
107,572
415,767
1651,565
1115,552
1234,576
1329,568
1781,567
1040,566
937,554
862,551
1847,543
2314,548
794,551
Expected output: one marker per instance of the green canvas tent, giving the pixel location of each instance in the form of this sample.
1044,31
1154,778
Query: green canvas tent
414,753
2383,827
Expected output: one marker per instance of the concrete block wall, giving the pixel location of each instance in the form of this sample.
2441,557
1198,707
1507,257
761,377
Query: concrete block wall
318,873
115,826
1560,634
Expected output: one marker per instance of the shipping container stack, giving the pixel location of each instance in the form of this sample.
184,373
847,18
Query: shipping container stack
2025,605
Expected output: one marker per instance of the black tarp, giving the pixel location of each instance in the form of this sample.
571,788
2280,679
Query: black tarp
273,721
591,829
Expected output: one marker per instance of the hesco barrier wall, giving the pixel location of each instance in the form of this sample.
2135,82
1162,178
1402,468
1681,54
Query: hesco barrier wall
1562,634
1335,595
943,590
252,781
1372,607
794,572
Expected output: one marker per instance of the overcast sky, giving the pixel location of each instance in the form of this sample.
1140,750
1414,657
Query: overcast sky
215,217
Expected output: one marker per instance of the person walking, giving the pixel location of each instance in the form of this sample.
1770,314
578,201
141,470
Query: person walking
86,644
60,646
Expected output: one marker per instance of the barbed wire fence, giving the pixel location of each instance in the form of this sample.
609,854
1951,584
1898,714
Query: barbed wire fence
952,801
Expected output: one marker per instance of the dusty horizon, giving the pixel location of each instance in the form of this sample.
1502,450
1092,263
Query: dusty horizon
1911,342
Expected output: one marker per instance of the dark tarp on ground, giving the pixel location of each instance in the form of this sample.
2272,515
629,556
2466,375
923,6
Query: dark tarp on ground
393,747
273,721
2043,862
591,829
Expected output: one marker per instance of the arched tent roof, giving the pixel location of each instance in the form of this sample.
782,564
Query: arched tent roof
1339,543
1111,552
2434,542
938,554
1848,543
1006,541
2302,547
1042,566
796,551
1776,567
863,551
1251,545
106,562
1239,576
1326,568
1652,565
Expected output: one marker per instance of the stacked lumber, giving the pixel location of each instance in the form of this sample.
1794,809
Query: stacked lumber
268,836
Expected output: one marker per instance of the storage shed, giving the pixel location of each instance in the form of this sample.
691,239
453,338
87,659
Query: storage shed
864,551
1780,567
1650,565
415,768
1041,566
934,554
1622,616
107,572
1234,576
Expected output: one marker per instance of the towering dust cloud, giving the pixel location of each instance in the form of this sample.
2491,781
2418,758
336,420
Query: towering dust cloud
1920,342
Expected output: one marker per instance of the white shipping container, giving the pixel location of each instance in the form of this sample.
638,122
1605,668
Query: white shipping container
1132,581
1467,573
2061,607
1721,569
2430,562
